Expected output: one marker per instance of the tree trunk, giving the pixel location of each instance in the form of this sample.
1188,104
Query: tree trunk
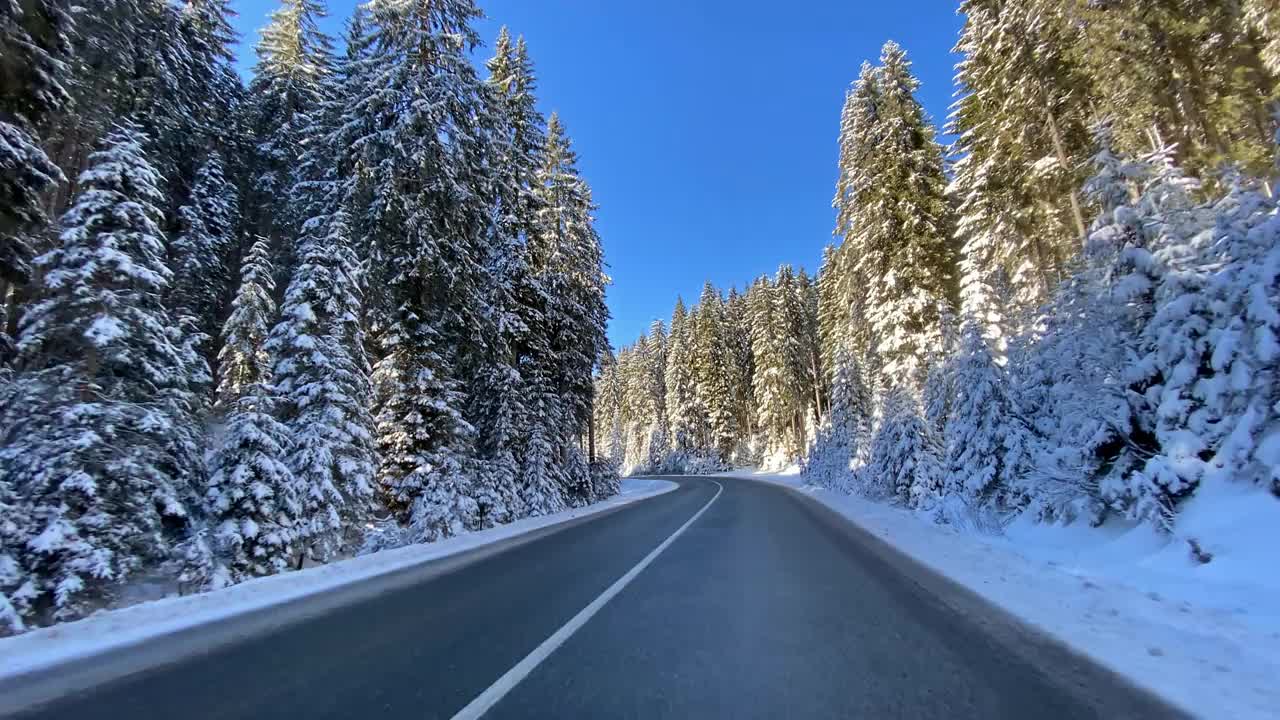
591,432
1061,151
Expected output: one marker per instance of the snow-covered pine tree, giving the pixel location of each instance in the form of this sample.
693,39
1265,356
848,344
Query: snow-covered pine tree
841,442
1150,277
905,460
253,498
985,439
775,392
1021,123
684,416
939,389
243,360
711,373
611,445
34,49
656,388
570,265
201,254
13,536
91,447
421,433
289,86
1069,373
741,367
500,393
321,375
1243,295
419,112
833,311
897,221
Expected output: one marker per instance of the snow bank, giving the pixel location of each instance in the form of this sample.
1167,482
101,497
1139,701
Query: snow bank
110,630
1206,637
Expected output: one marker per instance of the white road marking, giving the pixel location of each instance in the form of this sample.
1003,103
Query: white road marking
521,670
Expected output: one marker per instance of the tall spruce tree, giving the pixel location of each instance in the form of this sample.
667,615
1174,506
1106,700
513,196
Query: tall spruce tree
253,498
243,360
289,86
34,50
97,444
322,377
897,218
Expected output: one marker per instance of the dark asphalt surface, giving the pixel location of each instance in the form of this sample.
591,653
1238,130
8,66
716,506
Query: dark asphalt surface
768,606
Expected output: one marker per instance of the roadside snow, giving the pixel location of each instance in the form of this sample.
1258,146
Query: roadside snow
105,631
1205,637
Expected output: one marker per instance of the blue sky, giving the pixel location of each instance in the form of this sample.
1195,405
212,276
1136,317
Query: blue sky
707,128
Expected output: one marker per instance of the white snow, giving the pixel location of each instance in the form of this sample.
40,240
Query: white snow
1204,636
108,630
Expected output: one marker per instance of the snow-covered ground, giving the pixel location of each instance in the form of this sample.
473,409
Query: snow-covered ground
108,630
1206,637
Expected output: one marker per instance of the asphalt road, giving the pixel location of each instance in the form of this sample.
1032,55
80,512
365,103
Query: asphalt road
765,606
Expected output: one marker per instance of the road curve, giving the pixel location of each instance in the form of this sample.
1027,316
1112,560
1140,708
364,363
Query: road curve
766,605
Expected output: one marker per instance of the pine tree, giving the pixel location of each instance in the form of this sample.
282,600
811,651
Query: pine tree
34,49
1022,127
95,446
905,460
289,86
202,252
1193,75
1244,324
500,392
984,438
569,262
253,497
243,361
684,416
322,377
711,373
419,108
898,220
841,442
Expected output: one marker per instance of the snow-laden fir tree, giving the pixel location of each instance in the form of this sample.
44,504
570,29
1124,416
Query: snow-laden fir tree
1070,373
1166,224
841,444
711,372
905,460
570,265
610,439
684,416
321,375
737,339
289,85
204,247
499,392
898,224
243,360
985,439
93,433
420,108
774,393
253,499
34,45
1242,295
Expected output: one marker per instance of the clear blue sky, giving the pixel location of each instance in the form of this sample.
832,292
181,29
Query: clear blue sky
707,128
